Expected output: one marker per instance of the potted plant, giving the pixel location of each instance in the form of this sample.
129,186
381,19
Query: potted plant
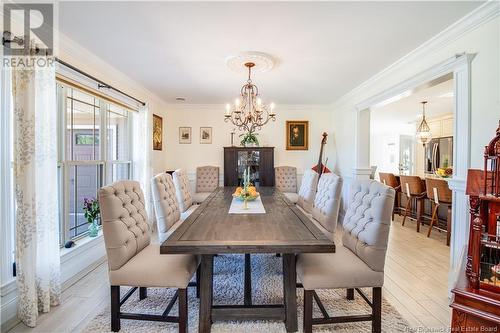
249,140
91,212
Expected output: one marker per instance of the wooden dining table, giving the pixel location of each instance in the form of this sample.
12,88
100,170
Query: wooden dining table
282,229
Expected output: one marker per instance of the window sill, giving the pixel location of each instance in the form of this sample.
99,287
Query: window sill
81,244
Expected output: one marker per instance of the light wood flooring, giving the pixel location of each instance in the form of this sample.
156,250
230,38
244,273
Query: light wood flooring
416,277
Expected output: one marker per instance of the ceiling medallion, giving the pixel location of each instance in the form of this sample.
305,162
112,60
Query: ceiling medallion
263,62
249,113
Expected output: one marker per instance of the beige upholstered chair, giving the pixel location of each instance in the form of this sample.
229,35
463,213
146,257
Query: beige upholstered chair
325,211
308,190
133,261
359,263
168,215
182,190
286,181
207,181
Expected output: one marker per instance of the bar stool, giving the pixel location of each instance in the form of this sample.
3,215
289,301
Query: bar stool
390,180
439,193
414,189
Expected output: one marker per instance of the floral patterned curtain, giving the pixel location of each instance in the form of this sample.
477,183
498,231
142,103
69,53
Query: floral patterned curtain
35,174
141,159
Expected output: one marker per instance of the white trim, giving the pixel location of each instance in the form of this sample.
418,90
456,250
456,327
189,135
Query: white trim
474,19
459,66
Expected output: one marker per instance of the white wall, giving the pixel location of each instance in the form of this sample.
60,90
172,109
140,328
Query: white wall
381,135
189,156
483,40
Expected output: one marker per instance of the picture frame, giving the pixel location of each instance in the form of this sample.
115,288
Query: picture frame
185,135
157,132
297,135
205,135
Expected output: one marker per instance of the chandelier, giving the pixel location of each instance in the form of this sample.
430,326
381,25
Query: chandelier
423,131
249,113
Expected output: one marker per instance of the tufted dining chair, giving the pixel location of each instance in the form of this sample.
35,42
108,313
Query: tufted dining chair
325,211
286,181
168,214
182,190
134,261
359,263
207,181
307,190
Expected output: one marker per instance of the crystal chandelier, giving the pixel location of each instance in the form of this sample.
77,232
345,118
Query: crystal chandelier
249,113
423,131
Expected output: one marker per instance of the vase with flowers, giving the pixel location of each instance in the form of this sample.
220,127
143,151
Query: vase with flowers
248,192
91,212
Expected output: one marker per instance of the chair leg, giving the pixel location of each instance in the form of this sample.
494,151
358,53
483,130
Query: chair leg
308,311
377,310
198,282
350,294
407,208
434,213
115,308
143,293
183,310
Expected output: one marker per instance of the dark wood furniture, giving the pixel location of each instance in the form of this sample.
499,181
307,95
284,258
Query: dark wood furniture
476,306
391,180
414,189
262,166
211,230
439,193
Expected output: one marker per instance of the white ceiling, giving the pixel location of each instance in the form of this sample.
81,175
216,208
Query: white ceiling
323,49
408,110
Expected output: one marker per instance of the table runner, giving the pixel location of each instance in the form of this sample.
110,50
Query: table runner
254,207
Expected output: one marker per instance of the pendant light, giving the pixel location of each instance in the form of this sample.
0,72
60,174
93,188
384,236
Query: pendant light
423,131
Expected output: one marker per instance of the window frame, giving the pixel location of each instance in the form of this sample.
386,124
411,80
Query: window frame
66,163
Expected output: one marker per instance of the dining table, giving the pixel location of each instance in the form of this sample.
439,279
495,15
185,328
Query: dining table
215,227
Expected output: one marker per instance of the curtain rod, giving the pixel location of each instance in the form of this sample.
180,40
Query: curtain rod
101,84
8,38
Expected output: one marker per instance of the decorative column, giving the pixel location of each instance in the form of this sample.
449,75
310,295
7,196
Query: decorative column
362,168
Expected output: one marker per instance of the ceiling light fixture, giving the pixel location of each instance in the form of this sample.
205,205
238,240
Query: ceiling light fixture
423,131
249,113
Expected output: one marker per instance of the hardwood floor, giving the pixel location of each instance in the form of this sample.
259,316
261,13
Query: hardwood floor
416,277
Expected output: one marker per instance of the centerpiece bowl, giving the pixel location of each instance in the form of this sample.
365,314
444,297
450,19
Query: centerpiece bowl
249,194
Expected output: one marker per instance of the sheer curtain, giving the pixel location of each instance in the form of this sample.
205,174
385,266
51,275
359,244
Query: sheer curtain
35,176
141,152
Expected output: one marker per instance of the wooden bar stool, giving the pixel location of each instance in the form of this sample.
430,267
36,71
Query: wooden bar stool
414,189
390,180
439,193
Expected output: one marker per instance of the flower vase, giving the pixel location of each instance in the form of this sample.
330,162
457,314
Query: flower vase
93,229
245,203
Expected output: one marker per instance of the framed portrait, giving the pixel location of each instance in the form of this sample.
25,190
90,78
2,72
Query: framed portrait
297,135
205,134
157,132
184,134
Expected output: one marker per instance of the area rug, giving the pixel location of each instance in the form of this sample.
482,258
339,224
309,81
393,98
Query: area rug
228,288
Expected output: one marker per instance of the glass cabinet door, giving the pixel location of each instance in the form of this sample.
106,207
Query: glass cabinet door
248,159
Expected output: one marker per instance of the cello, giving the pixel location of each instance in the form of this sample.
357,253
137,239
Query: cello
321,168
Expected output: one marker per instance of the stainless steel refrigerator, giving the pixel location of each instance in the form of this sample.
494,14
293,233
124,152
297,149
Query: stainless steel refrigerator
438,154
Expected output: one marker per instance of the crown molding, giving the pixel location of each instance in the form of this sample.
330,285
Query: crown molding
466,24
222,107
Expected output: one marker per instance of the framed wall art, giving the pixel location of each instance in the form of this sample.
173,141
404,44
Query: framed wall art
297,135
184,134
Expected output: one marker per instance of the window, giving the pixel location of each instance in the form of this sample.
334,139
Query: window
89,157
